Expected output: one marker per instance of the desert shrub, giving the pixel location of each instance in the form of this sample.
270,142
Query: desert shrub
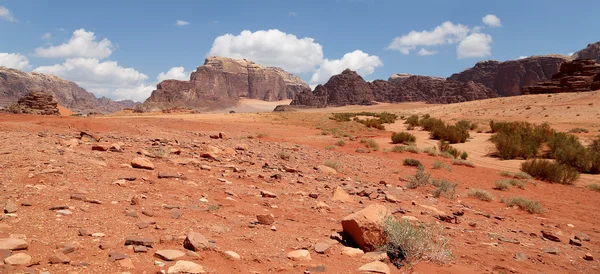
398,149
447,154
340,143
377,122
421,178
261,135
284,155
464,155
524,204
432,151
551,172
412,149
458,162
519,139
566,149
502,185
452,134
429,123
333,164
412,162
440,165
370,143
403,138
468,125
579,130
594,187
445,147
387,118
516,175
410,243
342,117
593,155
372,123
413,121
445,188
481,195
506,183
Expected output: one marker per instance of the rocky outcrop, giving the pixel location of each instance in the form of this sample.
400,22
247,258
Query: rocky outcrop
348,88
14,84
592,52
574,76
221,82
38,103
507,78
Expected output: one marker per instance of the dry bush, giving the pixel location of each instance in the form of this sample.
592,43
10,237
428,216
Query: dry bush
481,195
551,172
403,138
421,178
524,204
412,162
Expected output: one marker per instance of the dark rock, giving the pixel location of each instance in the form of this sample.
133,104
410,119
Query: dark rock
139,241
574,76
574,242
582,237
116,256
550,236
592,51
551,250
38,103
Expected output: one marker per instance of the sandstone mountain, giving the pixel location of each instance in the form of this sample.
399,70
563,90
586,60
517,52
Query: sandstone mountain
592,51
15,84
221,82
574,76
507,78
348,88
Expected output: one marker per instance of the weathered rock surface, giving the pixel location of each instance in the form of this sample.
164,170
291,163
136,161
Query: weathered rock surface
365,227
186,267
13,244
574,76
14,84
507,78
592,51
221,82
37,103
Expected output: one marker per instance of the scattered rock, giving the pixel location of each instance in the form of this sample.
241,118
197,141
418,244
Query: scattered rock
340,195
13,244
349,251
232,255
139,241
116,256
365,227
196,241
186,267
299,255
169,254
18,259
10,207
574,242
582,237
520,257
126,263
375,267
551,250
327,170
265,219
321,248
142,163
268,194
59,258
550,236
362,150
588,257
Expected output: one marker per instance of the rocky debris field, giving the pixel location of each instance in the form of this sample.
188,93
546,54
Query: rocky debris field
136,195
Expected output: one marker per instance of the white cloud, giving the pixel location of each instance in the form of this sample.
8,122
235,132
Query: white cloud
292,13
14,60
181,23
424,52
176,73
102,78
46,35
491,20
271,48
571,54
81,44
446,33
357,60
523,57
475,45
6,15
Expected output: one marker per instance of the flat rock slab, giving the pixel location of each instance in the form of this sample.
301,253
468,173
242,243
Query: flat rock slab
169,254
299,255
186,267
375,267
139,241
18,259
13,244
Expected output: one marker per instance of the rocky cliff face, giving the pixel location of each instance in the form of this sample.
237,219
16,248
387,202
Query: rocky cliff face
38,103
507,78
14,84
592,52
220,82
348,88
574,76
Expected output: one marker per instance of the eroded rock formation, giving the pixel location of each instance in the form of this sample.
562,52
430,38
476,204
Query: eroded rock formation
574,76
592,52
38,103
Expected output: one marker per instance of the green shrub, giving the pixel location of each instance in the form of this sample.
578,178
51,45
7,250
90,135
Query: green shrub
517,175
413,121
445,188
412,149
403,138
502,185
452,134
593,155
412,162
447,154
431,151
410,243
430,123
594,187
468,125
506,183
579,130
481,195
398,149
370,143
519,139
566,149
340,143
458,162
387,118
464,155
440,165
421,178
551,172
524,204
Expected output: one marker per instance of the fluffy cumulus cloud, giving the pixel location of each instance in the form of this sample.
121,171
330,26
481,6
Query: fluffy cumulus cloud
81,44
491,20
5,14
357,60
14,60
102,78
424,52
271,48
176,73
181,23
475,45
446,33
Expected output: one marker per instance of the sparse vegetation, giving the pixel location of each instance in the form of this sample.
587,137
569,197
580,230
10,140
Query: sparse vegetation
412,149
566,149
517,175
579,130
398,149
519,139
261,135
340,143
412,162
370,143
524,204
594,187
445,188
403,138
452,134
459,162
502,185
431,151
464,156
410,243
412,121
481,195
506,183
333,164
284,155
377,122
551,172
440,165
421,178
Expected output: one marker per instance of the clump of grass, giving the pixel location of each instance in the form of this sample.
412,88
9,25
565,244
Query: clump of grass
398,149
502,185
551,172
413,149
579,130
458,162
517,175
284,155
445,188
464,155
524,204
370,143
412,121
447,154
403,138
421,178
333,164
481,195
261,135
409,243
506,183
412,162
440,165
594,187
431,151
340,143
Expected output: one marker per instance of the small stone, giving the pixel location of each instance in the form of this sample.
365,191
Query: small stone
175,213
410,218
98,235
582,237
273,228
100,147
551,250
265,219
159,263
508,240
268,194
18,259
327,170
520,257
13,244
139,241
241,147
391,198
131,213
140,249
588,257
339,195
126,263
10,207
106,245
64,212
313,195
142,225
78,196
142,163
375,256
195,241
362,150
59,258
169,254
232,255
574,242
299,255
321,248
550,236
349,251
318,269
116,256
375,267
185,267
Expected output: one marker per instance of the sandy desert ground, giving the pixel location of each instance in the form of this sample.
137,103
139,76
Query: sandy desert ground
64,196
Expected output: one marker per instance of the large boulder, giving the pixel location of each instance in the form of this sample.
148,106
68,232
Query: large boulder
366,227
221,82
37,103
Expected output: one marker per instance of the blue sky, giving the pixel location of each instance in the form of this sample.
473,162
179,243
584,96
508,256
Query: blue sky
119,48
